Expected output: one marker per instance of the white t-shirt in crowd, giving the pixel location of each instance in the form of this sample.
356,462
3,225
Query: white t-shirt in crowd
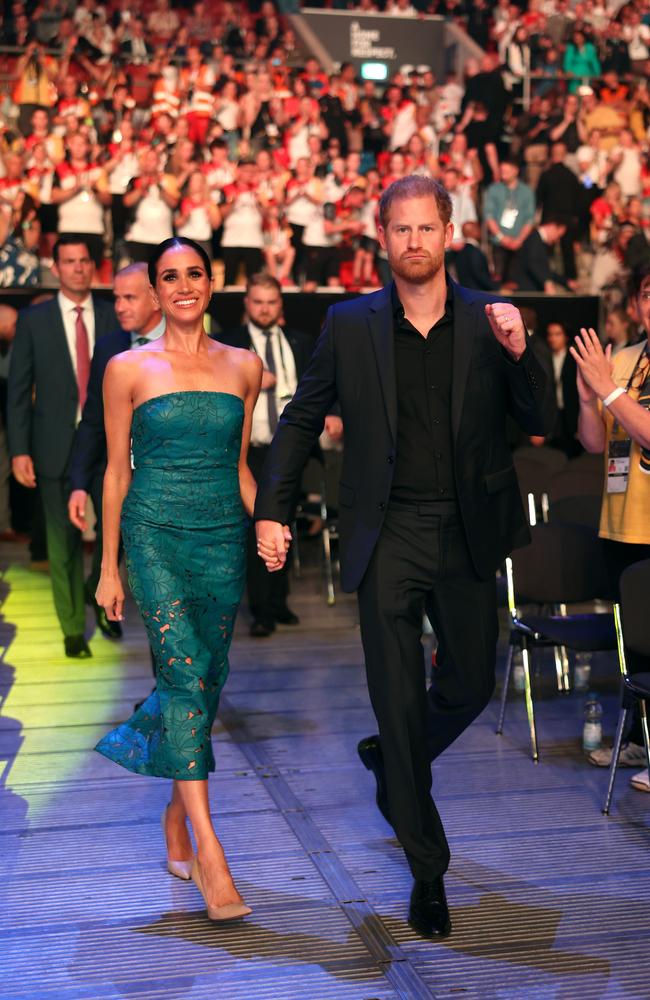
242,226
154,219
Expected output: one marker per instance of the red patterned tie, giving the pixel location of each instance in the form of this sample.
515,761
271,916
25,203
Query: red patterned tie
83,355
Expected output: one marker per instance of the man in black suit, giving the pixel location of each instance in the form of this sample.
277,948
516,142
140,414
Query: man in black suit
471,263
425,373
285,354
531,267
48,382
140,321
134,48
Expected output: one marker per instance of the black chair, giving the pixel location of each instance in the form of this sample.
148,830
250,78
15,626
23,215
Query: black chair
582,476
583,510
314,486
631,617
562,565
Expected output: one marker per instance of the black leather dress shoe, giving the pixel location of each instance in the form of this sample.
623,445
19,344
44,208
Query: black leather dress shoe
112,630
260,629
371,756
428,910
286,617
76,645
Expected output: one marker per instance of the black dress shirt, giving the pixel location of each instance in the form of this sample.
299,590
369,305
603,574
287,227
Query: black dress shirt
423,366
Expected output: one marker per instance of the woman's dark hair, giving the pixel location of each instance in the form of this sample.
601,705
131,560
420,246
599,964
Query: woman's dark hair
176,241
26,216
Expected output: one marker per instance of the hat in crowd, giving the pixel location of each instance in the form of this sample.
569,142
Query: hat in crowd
585,91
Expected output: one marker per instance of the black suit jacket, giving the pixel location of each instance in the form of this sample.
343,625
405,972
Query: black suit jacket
354,361
472,269
88,457
300,344
42,394
568,378
126,49
531,267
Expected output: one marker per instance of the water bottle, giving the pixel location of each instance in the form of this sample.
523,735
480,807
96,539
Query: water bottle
518,674
592,733
582,672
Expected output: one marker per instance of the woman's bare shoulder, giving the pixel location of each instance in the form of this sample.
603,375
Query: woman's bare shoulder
241,357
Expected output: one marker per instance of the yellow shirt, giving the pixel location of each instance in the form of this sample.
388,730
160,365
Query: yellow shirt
625,517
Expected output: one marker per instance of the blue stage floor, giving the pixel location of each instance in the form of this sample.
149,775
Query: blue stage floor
549,899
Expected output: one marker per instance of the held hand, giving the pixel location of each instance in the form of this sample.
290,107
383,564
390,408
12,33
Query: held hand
507,326
23,470
273,540
594,365
110,596
77,509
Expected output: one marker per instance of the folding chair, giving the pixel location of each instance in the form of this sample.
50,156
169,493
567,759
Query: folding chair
314,485
562,565
631,617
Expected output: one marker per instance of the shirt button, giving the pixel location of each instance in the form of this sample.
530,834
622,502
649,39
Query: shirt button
435,420
382,506
438,454
441,490
434,386
390,459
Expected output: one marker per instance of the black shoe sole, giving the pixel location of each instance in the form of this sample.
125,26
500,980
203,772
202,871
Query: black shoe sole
427,932
367,762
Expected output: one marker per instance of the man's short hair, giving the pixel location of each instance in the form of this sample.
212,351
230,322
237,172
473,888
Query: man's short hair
263,279
137,267
415,186
70,240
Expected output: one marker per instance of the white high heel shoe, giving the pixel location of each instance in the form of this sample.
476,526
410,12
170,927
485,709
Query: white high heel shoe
231,911
181,869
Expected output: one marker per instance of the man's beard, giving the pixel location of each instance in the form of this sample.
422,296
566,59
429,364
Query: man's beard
417,271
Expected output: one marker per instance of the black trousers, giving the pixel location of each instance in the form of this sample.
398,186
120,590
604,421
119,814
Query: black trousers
250,257
65,553
267,592
422,562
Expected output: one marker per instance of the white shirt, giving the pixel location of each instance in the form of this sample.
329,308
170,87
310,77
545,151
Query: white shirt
286,380
153,220
242,227
463,210
154,334
69,316
558,358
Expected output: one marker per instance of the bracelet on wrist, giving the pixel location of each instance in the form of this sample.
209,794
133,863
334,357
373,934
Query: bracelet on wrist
614,394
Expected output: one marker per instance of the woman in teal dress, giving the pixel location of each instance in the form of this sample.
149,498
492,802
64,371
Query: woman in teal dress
183,404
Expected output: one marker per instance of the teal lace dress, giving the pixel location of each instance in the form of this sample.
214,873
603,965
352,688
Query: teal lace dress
184,532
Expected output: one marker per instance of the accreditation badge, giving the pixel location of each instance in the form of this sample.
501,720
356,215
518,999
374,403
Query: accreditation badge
618,465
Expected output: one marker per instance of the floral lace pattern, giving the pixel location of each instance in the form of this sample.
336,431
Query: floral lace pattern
184,532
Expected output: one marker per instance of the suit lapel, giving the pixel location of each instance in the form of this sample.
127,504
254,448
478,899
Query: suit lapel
465,320
380,322
59,343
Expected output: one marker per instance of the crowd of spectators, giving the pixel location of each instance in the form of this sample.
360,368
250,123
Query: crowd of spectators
130,120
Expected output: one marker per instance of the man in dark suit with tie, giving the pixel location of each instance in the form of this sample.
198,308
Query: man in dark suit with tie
425,373
285,354
140,321
48,382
